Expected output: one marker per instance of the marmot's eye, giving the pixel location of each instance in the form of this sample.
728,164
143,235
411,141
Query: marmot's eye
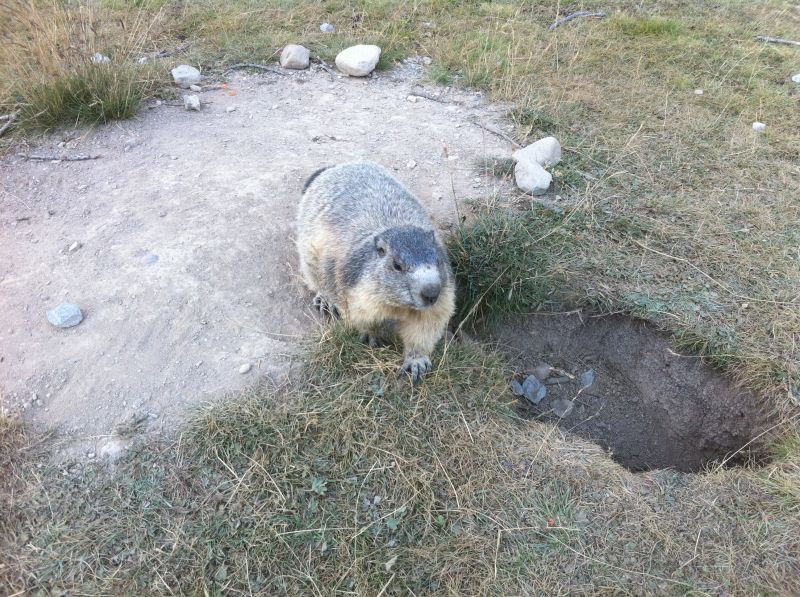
381,251
398,267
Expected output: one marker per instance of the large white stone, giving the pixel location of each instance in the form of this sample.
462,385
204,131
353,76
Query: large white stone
545,152
531,177
295,56
185,75
358,61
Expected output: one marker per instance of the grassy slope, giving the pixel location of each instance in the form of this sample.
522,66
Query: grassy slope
674,210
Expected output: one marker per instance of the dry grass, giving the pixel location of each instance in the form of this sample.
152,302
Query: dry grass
352,482
673,209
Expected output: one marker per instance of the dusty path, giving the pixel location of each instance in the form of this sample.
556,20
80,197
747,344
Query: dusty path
212,195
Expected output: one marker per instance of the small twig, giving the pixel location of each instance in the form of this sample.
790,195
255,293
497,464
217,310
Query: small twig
432,97
494,132
257,66
56,158
326,68
777,40
575,15
176,50
10,118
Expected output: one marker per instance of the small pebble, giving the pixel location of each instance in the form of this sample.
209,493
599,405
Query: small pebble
587,379
195,88
562,407
90,455
191,102
327,28
75,246
698,92
759,127
412,99
65,315
411,164
99,58
149,259
245,368
542,371
230,109
796,78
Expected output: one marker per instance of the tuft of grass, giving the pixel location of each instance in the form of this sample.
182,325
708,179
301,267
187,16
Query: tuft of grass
508,263
497,167
640,26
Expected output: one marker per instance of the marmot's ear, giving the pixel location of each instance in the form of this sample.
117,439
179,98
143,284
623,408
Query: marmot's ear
381,246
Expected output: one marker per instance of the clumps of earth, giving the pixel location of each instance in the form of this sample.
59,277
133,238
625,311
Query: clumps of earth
618,382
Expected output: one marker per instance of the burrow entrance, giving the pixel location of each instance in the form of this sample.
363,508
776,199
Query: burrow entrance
618,382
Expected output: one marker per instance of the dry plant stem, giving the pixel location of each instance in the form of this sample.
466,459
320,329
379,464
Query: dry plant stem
10,118
433,98
326,68
777,40
51,158
575,15
494,132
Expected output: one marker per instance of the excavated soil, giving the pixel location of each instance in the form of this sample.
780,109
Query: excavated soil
650,406
182,230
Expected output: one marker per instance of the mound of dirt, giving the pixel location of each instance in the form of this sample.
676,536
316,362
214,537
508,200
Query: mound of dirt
628,390
177,241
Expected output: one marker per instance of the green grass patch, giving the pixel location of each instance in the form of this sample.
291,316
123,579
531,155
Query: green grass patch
646,26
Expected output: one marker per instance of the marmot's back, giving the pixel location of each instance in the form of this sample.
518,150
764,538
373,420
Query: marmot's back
359,199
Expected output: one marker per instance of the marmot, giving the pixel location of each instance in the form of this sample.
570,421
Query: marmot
371,254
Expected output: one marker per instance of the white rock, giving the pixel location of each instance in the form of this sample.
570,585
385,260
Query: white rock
796,78
65,315
99,58
75,246
698,92
113,449
412,99
230,109
245,368
191,102
195,88
295,56
327,28
358,61
185,75
759,127
142,59
411,164
531,177
545,152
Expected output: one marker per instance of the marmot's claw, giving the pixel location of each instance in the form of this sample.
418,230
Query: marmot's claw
415,366
373,341
326,307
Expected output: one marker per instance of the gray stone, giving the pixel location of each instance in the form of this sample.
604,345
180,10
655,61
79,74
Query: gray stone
230,109
149,259
185,75
545,152
191,102
358,61
99,58
531,177
195,88
796,78
114,449
759,127
532,389
296,57
327,28
587,379
65,315
542,371
562,407
75,246
245,368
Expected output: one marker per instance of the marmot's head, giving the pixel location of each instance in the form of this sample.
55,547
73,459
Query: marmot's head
409,265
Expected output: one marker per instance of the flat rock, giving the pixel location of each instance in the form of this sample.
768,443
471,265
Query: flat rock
114,449
545,152
65,315
296,57
195,88
99,58
245,368
327,28
796,78
185,76
562,407
759,127
531,177
358,61
191,102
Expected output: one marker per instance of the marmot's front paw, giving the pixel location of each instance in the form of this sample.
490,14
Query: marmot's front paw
326,307
415,366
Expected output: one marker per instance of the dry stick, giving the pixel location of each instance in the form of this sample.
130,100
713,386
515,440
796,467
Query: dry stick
326,68
10,118
433,98
494,132
575,15
258,66
52,158
777,40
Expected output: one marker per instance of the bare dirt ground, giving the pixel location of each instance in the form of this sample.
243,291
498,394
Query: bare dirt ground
212,194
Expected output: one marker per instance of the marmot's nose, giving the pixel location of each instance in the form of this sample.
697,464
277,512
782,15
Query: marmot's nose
430,292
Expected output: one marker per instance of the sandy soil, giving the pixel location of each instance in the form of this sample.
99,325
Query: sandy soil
212,194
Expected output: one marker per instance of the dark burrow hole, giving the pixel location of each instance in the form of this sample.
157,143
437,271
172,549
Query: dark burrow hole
648,405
